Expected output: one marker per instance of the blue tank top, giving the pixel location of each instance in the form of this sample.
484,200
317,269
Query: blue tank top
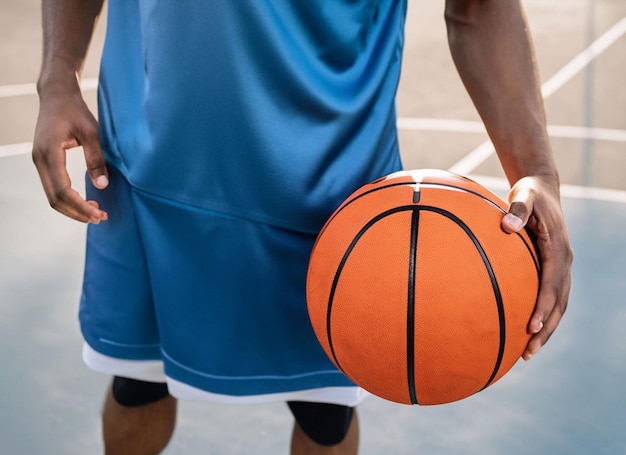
270,110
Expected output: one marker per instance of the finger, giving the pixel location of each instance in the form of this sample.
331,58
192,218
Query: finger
105,215
94,158
546,302
58,188
512,223
551,304
539,339
521,207
71,204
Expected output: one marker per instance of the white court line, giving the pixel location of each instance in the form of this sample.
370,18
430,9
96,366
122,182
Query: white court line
584,132
429,124
469,126
477,156
440,124
15,149
568,191
432,124
8,91
584,58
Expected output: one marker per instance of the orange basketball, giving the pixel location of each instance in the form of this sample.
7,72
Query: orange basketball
416,293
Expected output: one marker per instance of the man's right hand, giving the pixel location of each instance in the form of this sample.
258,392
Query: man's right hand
65,122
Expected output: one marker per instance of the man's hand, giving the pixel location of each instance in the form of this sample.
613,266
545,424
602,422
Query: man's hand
534,202
65,122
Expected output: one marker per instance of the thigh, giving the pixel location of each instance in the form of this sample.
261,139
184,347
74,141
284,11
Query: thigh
230,302
116,311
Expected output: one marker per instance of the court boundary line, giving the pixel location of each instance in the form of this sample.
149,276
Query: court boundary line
471,126
567,191
29,89
497,183
21,148
432,125
476,157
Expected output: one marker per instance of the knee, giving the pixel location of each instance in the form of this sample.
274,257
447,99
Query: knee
132,392
325,424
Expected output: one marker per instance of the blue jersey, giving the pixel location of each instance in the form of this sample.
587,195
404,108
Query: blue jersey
270,110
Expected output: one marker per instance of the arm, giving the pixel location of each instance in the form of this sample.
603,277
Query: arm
64,120
493,52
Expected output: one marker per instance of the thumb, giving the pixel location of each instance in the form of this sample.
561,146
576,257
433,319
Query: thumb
94,158
521,207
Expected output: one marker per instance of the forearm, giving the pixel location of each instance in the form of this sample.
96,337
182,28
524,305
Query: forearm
493,52
64,120
67,30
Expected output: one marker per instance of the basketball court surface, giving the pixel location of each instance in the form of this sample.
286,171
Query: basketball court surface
570,399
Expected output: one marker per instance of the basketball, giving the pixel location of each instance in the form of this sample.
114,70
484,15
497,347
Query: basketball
416,293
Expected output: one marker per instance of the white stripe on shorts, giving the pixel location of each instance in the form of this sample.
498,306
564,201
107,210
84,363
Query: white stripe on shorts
143,370
152,371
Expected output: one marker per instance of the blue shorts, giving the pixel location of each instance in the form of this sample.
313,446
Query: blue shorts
213,303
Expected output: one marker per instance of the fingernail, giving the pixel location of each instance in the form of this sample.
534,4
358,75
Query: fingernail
538,327
513,221
102,181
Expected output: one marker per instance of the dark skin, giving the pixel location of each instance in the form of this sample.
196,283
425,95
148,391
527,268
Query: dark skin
64,120
493,53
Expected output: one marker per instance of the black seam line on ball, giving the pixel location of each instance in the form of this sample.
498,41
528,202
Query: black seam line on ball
410,316
492,278
468,232
533,239
443,186
342,264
